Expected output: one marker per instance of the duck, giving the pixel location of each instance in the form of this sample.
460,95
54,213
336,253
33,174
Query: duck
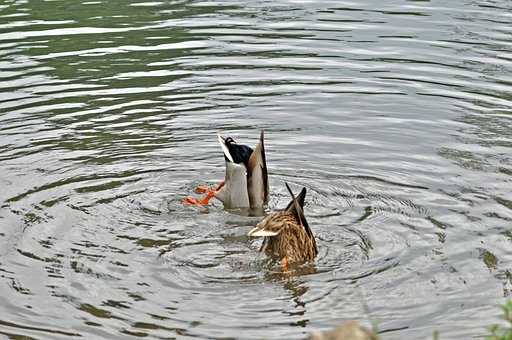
287,235
245,183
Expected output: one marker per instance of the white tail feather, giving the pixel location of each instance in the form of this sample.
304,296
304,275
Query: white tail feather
234,192
257,232
224,148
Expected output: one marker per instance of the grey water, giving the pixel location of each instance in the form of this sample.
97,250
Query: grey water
395,115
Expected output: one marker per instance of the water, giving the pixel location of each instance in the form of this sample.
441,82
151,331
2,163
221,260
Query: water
396,116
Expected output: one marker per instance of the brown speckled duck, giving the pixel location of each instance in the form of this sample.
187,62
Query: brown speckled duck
287,233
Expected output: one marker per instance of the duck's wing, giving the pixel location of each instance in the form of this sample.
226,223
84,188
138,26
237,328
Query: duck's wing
296,207
234,192
300,198
257,176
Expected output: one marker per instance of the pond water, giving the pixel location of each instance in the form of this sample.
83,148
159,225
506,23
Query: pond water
395,115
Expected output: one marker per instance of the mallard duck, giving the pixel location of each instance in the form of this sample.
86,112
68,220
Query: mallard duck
287,233
246,180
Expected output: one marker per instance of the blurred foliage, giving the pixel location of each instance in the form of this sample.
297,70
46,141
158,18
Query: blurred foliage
501,332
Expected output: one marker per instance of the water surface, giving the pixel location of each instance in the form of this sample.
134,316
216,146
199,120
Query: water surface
396,116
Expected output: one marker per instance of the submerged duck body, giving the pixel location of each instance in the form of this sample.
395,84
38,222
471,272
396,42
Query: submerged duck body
246,179
286,233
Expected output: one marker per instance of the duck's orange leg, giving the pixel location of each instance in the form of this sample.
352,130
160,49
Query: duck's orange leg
202,189
284,263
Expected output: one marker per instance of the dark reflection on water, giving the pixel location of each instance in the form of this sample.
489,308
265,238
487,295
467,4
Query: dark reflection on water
395,116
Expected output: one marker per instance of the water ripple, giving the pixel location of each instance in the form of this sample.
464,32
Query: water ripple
393,115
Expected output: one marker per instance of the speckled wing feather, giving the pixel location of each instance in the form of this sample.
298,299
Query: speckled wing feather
296,208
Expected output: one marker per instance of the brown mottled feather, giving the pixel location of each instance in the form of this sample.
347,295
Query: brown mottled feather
292,241
297,209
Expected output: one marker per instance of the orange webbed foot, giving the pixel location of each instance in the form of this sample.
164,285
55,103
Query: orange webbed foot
202,201
206,199
203,189
189,201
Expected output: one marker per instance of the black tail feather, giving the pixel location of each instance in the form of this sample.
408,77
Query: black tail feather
301,198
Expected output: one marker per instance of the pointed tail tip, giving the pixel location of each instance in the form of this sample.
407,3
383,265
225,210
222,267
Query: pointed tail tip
289,189
225,149
303,191
220,138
